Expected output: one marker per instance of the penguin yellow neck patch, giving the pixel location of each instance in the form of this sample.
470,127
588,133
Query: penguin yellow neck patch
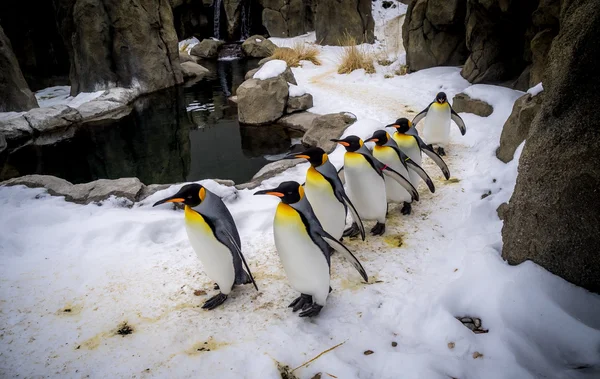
195,219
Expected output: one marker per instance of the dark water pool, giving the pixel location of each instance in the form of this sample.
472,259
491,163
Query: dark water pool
180,134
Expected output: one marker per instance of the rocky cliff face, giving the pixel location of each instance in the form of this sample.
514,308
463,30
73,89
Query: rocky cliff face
553,217
497,41
287,18
334,19
14,92
113,43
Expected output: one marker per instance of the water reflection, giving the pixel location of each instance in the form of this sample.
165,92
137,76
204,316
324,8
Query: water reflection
170,136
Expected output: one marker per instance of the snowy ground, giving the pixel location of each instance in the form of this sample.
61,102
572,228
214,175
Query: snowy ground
71,275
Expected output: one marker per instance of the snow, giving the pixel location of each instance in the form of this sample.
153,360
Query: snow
60,95
271,69
258,40
536,89
111,264
296,90
187,44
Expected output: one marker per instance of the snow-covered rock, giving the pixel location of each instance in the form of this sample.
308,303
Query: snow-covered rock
16,128
271,69
262,101
464,103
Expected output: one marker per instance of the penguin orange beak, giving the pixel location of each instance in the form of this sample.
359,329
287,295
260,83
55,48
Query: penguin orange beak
296,156
372,140
396,126
169,200
343,143
271,192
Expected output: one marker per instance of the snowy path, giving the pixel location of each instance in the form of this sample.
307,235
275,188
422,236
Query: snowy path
72,275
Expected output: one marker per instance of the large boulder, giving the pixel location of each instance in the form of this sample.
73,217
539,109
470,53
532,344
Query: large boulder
434,33
117,43
14,92
552,218
516,128
464,103
335,20
262,101
287,18
326,127
51,119
15,129
258,47
193,70
301,121
299,103
288,75
207,48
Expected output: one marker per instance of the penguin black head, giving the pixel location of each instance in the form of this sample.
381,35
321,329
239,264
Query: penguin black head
402,125
351,143
289,192
380,138
315,155
190,194
441,98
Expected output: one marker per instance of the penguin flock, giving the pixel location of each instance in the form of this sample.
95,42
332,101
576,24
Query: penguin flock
310,219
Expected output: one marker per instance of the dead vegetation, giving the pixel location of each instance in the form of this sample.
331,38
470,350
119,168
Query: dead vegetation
299,52
355,58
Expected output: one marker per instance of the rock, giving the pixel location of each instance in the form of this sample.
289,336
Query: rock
262,101
233,9
185,57
99,190
150,190
327,127
501,210
113,43
540,46
299,103
104,109
193,70
207,48
334,20
275,168
275,23
264,60
463,103
15,95
102,189
251,73
3,143
258,47
553,218
516,128
434,33
52,118
301,121
496,37
15,129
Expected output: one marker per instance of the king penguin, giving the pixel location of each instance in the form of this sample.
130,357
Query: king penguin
215,239
408,141
325,192
366,186
386,151
304,248
437,124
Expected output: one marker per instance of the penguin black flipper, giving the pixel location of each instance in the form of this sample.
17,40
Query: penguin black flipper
422,173
459,121
428,150
383,169
343,250
223,226
421,115
355,215
342,175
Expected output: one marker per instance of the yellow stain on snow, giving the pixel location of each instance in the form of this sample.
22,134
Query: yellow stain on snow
205,346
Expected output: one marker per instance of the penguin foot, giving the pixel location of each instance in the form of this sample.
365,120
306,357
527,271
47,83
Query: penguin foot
406,209
312,311
378,229
441,151
215,301
302,302
352,231
216,287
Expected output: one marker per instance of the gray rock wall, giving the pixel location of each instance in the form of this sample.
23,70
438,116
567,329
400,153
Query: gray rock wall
552,217
336,18
14,92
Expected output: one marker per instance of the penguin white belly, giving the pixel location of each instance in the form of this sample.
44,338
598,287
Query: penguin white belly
437,124
303,261
330,212
366,189
409,146
394,191
215,257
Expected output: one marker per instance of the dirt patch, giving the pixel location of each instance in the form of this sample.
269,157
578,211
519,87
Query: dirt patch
205,346
394,240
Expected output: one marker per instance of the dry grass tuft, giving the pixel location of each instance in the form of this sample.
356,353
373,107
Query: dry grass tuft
402,70
353,58
299,52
